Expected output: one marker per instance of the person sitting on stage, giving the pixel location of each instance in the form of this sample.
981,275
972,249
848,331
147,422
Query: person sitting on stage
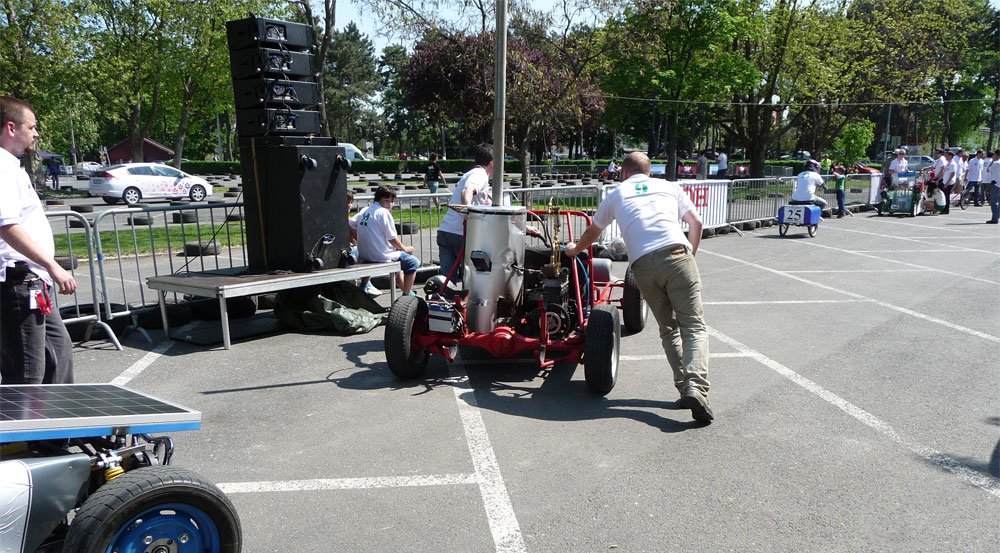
378,241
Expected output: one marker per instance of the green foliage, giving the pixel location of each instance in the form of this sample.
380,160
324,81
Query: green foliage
211,167
350,80
854,141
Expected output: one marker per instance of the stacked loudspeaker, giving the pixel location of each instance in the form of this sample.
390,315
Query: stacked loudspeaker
294,181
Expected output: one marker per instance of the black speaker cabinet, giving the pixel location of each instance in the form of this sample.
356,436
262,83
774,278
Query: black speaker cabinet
255,31
250,93
271,62
264,121
296,204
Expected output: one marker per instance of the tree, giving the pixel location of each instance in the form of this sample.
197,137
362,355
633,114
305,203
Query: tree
853,142
351,79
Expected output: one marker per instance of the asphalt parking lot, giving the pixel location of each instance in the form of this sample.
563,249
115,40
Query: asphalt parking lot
855,380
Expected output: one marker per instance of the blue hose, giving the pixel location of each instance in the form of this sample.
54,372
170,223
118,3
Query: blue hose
586,283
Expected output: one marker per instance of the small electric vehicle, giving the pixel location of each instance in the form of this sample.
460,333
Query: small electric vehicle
904,195
81,473
519,300
808,216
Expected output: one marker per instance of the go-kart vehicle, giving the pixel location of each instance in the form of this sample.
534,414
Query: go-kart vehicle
805,215
903,195
80,473
519,300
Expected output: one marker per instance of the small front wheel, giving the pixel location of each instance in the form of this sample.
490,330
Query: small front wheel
407,317
812,229
159,508
600,349
783,229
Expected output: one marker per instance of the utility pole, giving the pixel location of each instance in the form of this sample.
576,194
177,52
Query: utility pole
499,106
72,139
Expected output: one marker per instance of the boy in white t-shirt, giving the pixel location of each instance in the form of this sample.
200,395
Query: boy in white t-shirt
378,241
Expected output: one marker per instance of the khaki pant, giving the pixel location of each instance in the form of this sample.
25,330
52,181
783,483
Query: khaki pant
671,284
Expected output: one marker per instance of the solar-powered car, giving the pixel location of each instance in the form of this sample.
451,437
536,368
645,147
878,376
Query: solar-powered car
81,472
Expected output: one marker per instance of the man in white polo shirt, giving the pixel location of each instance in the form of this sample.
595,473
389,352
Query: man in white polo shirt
948,179
35,347
649,212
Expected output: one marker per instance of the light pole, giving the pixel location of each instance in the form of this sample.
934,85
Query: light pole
499,109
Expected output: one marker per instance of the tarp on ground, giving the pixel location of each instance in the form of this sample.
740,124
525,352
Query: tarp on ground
341,307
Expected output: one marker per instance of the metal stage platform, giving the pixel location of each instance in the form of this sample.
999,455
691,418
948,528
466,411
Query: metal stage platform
237,282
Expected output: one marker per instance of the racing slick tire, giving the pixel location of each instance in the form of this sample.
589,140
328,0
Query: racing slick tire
634,306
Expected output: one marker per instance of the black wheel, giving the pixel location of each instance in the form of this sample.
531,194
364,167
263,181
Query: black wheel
634,306
783,229
600,349
812,229
158,508
109,200
963,200
406,317
131,195
197,193
878,209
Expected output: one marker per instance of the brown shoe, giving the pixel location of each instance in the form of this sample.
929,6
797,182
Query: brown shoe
698,404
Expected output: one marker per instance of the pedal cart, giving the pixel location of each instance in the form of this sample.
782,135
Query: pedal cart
519,300
903,195
807,216
81,474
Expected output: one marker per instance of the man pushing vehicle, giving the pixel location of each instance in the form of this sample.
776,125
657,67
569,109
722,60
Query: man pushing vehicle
649,212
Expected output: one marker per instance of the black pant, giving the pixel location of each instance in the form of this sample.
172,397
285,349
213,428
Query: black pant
34,348
947,198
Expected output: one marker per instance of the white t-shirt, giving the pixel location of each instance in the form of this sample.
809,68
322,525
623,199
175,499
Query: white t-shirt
963,168
992,172
648,211
939,165
899,165
723,161
375,227
805,186
950,172
612,167
975,173
479,180
938,197
19,205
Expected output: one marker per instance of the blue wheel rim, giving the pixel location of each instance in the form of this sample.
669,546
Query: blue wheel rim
188,528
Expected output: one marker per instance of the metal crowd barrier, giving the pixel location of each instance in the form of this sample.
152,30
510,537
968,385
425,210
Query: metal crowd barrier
133,243
85,303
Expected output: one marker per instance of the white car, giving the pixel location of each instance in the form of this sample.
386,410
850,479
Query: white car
85,169
133,182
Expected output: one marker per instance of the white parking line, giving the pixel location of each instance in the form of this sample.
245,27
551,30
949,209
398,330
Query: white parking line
887,305
349,483
499,510
862,271
968,475
887,260
951,247
662,356
952,250
149,358
780,302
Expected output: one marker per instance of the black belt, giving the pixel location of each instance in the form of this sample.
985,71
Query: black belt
20,272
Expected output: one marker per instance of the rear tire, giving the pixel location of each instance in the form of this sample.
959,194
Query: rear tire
162,502
634,306
407,316
812,229
600,349
783,229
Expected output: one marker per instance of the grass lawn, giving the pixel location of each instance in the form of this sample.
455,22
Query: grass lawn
145,240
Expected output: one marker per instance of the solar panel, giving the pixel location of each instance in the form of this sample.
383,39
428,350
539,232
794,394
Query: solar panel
60,411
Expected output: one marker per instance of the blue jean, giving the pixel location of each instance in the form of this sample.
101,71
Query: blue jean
450,247
840,201
995,201
408,263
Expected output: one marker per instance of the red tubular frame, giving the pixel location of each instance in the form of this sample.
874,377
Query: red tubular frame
504,342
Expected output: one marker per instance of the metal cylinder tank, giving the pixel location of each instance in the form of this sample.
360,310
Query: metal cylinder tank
494,244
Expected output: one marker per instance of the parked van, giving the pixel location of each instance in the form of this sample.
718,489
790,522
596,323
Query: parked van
352,152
